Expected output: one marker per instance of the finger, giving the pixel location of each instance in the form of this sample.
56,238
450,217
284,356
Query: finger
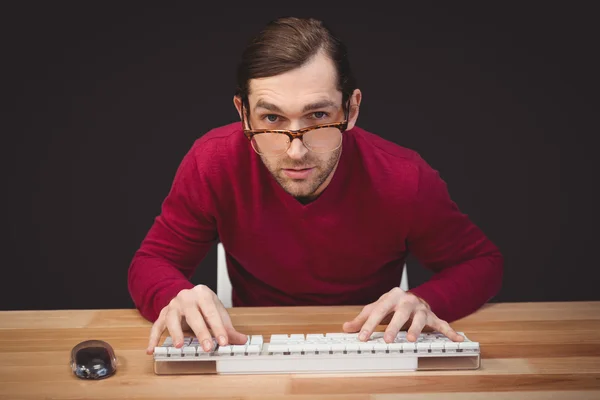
359,320
418,323
397,322
196,323
445,328
213,319
374,319
173,319
233,336
155,333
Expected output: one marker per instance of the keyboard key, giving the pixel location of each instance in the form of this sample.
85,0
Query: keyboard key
352,348
189,351
469,346
395,347
174,351
409,347
162,351
295,348
253,349
365,346
423,347
314,336
280,336
256,339
202,353
323,347
338,347
380,347
278,348
451,347
437,347
309,348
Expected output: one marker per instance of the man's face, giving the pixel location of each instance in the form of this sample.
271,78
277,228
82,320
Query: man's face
303,97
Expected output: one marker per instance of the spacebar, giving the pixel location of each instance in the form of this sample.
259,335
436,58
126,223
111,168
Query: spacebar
290,364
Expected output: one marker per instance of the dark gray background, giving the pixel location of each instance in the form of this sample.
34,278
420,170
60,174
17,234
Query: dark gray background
101,103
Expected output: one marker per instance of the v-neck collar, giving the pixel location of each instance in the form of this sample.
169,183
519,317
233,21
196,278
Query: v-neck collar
332,192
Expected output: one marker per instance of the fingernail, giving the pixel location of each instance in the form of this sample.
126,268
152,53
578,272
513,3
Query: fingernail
222,340
206,345
363,335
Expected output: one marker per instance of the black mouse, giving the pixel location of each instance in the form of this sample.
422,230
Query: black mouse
93,359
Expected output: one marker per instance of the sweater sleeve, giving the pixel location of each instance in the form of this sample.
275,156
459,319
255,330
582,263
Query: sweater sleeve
467,266
178,240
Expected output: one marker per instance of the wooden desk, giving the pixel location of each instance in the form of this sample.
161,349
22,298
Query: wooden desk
529,351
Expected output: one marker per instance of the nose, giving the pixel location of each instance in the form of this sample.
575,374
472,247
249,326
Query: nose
297,149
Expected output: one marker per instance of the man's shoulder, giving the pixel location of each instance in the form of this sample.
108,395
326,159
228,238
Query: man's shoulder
218,138
215,150
384,161
377,150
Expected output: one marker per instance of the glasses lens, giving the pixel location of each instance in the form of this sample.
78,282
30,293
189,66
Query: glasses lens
270,143
323,140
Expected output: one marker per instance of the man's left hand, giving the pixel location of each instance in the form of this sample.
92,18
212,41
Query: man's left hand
404,306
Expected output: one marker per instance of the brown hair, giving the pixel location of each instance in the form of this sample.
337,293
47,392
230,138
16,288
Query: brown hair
287,43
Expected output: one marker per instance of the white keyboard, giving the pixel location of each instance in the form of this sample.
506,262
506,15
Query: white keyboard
318,353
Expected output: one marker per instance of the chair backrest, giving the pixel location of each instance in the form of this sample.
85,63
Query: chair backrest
224,284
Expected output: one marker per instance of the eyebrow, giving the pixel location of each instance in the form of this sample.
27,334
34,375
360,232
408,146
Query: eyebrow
308,107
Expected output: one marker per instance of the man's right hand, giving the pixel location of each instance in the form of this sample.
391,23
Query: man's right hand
200,310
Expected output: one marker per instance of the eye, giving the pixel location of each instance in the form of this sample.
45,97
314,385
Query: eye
320,114
270,117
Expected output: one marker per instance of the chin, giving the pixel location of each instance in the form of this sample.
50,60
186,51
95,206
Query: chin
299,192
298,189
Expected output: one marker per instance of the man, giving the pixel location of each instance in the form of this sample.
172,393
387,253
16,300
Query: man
322,216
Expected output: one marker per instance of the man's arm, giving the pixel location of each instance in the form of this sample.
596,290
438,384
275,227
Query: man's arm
178,240
468,266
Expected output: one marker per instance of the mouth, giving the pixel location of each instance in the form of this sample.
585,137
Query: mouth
298,173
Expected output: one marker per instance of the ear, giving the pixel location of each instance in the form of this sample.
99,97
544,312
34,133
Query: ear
355,100
237,102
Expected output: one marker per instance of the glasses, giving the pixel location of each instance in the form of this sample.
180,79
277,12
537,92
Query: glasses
323,138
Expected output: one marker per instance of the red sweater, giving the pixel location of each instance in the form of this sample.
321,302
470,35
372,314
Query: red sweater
346,247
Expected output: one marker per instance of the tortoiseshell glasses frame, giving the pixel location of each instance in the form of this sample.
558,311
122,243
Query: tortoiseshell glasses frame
294,134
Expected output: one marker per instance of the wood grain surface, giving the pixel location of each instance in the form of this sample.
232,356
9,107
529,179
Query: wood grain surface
529,351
